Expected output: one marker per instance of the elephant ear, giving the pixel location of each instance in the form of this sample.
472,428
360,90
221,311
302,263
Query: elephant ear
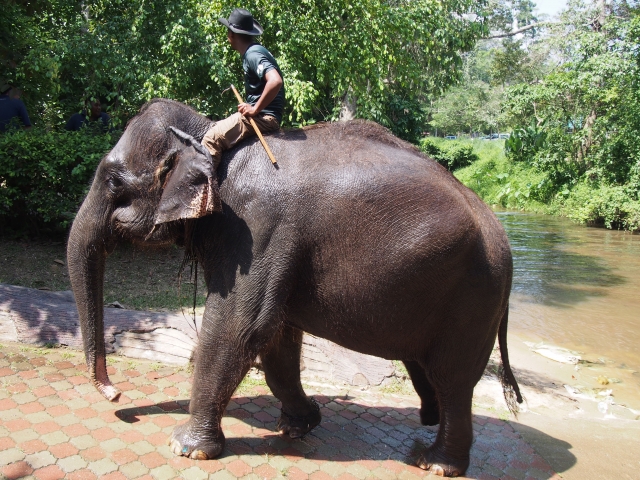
190,189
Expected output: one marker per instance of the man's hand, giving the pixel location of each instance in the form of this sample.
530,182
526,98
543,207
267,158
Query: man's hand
247,110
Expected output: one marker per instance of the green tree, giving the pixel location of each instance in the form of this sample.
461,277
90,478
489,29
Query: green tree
589,103
381,59
587,110
474,104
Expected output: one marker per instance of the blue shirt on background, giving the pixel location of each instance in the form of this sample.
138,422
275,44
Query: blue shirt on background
11,108
77,120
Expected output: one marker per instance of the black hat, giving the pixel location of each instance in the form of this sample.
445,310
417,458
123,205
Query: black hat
241,21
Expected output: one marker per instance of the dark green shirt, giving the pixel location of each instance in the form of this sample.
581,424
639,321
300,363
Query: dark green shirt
256,62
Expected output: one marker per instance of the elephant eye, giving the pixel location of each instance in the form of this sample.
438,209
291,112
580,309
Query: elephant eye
114,182
164,168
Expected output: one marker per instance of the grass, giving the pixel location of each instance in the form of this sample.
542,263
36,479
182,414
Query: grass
500,182
400,383
137,279
250,381
398,387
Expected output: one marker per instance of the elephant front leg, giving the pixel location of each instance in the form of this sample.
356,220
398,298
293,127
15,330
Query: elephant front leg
221,364
281,363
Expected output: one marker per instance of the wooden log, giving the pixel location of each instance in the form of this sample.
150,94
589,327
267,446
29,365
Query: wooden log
41,317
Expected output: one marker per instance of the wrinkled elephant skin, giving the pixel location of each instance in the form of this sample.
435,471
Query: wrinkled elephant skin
357,238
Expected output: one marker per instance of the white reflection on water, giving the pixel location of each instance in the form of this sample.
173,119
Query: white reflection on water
576,287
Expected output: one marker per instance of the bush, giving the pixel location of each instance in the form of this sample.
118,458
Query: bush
44,176
605,205
499,181
450,154
524,142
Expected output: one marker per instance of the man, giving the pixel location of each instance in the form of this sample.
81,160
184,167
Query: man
12,109
78,120
262,82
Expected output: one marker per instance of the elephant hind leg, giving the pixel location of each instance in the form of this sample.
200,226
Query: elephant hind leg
429,410
281,363
449,454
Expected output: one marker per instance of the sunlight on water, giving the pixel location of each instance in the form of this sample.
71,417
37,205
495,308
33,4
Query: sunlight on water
578,288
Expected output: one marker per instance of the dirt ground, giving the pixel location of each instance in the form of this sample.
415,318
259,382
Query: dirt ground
569,430
138,279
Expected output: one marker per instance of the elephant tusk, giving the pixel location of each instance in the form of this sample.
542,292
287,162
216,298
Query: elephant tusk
151,232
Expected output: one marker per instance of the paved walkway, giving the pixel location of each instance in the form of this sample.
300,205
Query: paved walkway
53,424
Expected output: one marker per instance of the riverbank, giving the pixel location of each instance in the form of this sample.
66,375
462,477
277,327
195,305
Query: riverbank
536,186
567,425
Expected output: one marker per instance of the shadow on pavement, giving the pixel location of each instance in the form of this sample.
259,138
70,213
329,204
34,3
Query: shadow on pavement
355,431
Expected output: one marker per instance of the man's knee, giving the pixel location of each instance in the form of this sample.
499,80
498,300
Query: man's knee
267,123
223,135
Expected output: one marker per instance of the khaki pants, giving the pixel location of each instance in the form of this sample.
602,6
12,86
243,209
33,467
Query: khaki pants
226,133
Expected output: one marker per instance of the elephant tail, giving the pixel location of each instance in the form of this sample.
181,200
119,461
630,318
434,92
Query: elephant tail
509,384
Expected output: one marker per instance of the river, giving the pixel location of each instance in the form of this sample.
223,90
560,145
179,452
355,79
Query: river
579,288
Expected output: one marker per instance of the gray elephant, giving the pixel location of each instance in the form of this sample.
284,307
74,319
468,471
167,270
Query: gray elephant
357,238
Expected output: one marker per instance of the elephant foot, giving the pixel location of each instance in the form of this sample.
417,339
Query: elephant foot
429,416
297,427
438,465
187,442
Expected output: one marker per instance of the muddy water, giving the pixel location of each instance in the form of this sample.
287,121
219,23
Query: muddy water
579,288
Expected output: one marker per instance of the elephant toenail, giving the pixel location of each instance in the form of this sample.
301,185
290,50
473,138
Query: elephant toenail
198,455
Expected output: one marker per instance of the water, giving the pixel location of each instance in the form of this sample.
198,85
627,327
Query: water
578,288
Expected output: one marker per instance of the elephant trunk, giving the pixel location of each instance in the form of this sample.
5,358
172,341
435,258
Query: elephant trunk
86,255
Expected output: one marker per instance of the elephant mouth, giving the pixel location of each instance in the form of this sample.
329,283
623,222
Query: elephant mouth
138,230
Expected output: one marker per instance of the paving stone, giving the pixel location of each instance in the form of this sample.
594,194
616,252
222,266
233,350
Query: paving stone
38,417
102,467
52,472
222,475
142,448
11,455
307,466
112,445
40,459
54,438
94,423
84,441
24,435
77,403
11,414
134,470
194,473
24,398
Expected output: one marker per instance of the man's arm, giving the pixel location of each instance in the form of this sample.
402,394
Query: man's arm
271,89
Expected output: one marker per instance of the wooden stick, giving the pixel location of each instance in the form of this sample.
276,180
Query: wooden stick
255,127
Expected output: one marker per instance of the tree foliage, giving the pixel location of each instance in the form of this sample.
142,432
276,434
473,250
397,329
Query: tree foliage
44,175
587,107
452,155
383,57
473,105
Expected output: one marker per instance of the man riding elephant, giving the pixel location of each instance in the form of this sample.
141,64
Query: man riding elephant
263,85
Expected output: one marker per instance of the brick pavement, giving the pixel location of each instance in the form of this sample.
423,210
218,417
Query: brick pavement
54,424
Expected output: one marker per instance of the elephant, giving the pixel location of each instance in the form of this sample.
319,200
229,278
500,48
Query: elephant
356,237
